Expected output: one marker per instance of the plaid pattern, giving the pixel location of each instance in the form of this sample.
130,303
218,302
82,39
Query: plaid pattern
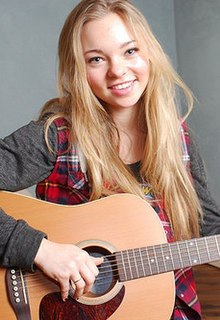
68,185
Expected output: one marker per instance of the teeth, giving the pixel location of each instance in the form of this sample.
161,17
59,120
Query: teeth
123,86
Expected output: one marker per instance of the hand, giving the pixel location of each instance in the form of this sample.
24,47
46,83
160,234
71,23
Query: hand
65,263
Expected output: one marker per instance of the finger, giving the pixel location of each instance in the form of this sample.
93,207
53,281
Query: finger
98,261
79,286
64,289
72,289
89,274
92,266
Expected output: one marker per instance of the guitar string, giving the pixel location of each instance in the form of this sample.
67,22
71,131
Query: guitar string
109,280
158,256
109,274
133,262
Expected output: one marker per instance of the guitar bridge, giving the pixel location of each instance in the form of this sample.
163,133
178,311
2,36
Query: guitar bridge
17,293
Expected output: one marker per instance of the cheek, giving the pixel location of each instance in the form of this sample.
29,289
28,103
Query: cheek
143,70
93,80
142,66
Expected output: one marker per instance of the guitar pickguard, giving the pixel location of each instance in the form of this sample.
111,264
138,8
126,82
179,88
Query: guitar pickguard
53,308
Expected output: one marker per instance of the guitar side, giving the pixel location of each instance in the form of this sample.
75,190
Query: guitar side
123,220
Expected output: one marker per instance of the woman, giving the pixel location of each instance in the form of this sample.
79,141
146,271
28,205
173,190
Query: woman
115,127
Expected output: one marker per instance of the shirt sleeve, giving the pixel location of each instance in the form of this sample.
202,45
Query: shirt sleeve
25,160
211,210
25,157
19,242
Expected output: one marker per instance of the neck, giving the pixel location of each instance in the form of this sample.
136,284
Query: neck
131,145
126,118
132,138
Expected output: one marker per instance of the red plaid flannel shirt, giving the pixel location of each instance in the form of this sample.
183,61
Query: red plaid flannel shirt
68,185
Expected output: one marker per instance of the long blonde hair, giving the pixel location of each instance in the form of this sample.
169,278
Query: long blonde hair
92,127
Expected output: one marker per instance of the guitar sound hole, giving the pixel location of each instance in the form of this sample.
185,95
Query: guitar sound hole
107,276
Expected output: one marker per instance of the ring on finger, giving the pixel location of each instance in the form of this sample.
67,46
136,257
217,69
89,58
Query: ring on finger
77,280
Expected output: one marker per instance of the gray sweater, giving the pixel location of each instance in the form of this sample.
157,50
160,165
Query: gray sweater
25,161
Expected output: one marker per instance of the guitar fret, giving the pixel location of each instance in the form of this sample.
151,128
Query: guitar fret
179,253
133,264
171,257
153,261
217,245
185,256
162,262
164,257
216,252
206,252
129,264
161,259
188,254
197,249
122,270
138,269
193,252
156,258
141,265
167,257
148,259
174,254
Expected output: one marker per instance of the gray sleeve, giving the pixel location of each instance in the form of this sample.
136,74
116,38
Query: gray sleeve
25,160
19,242
25,157
211,210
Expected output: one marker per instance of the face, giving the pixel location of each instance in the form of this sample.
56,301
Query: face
116,65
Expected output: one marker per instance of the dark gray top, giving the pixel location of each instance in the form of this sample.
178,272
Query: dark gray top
25,161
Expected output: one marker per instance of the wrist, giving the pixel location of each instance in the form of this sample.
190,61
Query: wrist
40,253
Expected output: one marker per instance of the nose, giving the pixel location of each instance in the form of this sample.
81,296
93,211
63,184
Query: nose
117,68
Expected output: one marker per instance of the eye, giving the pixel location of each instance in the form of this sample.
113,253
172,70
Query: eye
95,60
131,51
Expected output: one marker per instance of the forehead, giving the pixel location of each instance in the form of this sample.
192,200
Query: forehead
110,29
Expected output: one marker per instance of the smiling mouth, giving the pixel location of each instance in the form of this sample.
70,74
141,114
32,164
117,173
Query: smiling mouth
122,86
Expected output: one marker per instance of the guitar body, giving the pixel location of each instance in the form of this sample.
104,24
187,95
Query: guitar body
114,223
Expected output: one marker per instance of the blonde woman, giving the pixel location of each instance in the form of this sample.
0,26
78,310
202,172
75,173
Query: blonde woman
115,127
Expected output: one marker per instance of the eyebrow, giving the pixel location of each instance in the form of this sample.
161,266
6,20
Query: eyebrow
123,45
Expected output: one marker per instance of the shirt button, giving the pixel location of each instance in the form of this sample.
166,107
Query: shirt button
182,295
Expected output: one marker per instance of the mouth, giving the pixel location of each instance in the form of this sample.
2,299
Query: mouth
122,86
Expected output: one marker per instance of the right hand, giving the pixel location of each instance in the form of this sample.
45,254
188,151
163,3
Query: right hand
65,263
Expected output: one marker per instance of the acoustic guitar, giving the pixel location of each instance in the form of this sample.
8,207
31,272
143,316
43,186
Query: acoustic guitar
135,281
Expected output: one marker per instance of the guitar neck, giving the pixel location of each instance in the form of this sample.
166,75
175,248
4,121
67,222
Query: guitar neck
152,260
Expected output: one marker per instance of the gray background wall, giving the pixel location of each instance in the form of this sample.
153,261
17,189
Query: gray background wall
197,25
188,30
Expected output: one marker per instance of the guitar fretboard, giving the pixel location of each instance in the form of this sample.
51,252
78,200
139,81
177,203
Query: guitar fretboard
147,261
